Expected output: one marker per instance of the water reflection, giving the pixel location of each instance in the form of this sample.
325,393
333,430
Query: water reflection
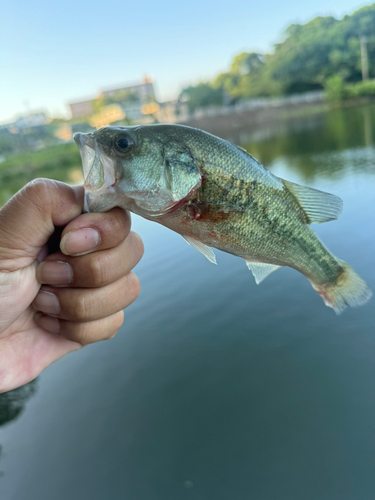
338,129
368,116
328,145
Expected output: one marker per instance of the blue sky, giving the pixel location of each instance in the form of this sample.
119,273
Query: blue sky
55,52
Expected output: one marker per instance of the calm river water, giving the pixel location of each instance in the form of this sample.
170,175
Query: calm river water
216,388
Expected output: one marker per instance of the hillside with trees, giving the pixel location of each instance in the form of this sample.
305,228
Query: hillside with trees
325,53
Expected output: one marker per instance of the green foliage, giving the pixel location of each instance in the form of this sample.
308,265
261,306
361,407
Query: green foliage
360,89
323,53
98,104
13,141
8,144
322,48
335,89
248,77
64,155
203,95
122,97
245,63
62,163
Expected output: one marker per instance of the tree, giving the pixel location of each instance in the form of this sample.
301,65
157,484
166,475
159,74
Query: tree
313,52
335,88
246,77
201,96
309,56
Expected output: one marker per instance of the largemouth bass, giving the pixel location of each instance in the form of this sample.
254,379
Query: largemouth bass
216,194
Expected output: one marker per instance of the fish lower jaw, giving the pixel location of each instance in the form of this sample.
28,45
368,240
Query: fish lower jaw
101,200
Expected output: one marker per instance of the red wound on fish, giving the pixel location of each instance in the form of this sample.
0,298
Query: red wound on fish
209,212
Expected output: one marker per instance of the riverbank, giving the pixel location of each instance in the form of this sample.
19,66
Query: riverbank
218,121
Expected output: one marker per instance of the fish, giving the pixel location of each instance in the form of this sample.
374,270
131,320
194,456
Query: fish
217,195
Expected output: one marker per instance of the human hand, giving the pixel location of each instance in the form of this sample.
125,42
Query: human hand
74,296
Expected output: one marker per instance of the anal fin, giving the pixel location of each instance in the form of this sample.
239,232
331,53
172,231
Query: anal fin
260,270
202,248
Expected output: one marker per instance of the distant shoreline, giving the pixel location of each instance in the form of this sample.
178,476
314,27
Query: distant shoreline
216,122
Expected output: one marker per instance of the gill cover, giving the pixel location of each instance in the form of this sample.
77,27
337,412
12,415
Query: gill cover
181,176
168,178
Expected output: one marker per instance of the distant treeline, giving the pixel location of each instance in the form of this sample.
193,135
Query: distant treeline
324,53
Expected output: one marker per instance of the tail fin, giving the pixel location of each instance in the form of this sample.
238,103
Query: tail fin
349,290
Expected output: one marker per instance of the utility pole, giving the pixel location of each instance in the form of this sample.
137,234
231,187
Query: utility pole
364,57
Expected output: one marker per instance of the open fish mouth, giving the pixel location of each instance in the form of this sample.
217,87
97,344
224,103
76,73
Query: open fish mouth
86,146
98,171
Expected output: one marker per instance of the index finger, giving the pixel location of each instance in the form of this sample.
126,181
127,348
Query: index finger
95,231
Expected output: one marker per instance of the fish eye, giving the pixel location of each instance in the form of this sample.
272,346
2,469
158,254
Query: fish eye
123,143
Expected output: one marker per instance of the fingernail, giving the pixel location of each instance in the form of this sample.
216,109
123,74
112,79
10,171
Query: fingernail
47,302
80,242
54,273
50,324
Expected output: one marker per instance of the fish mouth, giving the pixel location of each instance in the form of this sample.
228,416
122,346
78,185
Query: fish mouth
98,168
87,149
98,174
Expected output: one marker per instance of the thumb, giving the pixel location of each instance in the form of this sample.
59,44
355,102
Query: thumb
29,219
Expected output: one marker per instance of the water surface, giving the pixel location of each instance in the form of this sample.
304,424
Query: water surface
216,388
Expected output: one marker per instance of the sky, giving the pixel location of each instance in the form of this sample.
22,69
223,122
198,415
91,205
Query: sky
53,53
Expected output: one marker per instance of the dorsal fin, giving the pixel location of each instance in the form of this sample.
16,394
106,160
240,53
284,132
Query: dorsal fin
317,205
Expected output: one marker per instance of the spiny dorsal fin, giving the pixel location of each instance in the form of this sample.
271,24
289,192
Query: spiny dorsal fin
317,205
202,248
260,270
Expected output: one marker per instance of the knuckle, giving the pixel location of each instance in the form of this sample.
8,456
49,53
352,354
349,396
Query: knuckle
137,244
134,286
118,320
81,309
97,270
39,185
82,335
38,192
120,224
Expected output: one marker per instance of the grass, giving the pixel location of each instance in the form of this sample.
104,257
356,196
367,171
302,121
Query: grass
63,155
62,163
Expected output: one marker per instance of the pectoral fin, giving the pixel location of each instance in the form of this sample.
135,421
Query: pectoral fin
260,270
202,248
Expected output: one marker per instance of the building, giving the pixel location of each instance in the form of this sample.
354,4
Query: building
130,97
79,109
144,91
171,112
